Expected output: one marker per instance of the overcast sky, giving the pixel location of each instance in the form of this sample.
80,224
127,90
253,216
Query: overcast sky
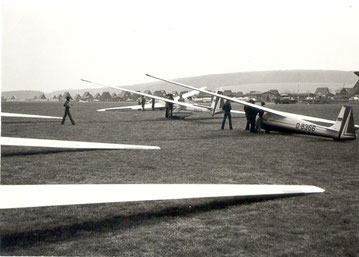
50,45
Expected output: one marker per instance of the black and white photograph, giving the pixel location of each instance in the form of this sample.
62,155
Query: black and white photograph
179,128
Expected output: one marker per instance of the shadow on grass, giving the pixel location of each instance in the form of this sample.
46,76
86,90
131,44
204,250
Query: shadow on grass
26,122
68,232
16,154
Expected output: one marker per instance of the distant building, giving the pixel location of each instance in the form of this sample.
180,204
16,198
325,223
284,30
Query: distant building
147,92
302,96
322,91
42,96
254,94
228,93
355,90
203,95
132,96
270,95
87,97
54,98
322,95
97,96
160,93
106,96
77,97
124,95
238,94
341,93
115,97
65,95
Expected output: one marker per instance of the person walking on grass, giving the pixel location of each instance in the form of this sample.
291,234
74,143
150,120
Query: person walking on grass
227,112
67,106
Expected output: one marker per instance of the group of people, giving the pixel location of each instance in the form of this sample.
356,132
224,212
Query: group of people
254,124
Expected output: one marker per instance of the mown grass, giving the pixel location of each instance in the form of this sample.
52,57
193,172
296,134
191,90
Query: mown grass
194,150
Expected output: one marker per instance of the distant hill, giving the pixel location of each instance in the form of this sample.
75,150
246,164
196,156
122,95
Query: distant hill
21,94
284,81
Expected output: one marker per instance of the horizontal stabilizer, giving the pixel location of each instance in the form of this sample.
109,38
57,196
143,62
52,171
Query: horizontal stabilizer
20,115
23,196
15,141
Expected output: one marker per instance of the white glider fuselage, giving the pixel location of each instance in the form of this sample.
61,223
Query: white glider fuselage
294,125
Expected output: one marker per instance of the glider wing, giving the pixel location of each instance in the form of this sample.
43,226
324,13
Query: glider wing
149,96
265,109
20,115
23,196
133,107
15,141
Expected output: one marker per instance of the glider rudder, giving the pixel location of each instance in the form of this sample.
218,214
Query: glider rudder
344,124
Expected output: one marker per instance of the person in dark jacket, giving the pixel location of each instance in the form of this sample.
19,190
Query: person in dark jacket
251,114
143,102
227,112
153,104
169,107
67,111
246,112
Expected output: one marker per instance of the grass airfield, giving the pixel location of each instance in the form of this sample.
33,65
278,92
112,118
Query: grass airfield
194,150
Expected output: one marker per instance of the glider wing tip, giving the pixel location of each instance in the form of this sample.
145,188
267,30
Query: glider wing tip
315,189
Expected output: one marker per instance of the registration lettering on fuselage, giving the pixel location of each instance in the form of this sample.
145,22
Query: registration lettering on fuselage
305,127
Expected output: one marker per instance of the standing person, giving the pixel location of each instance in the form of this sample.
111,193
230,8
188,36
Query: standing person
227,112
260,119
153,104
167,107
180,99
252,114
143,102
170,106
67,106
246,112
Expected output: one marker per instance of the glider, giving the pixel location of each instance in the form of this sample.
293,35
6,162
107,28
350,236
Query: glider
20,115
182,109
49,143
341,129
160,105
25,196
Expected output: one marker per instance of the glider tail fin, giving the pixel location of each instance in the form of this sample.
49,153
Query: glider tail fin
344,123
217,104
